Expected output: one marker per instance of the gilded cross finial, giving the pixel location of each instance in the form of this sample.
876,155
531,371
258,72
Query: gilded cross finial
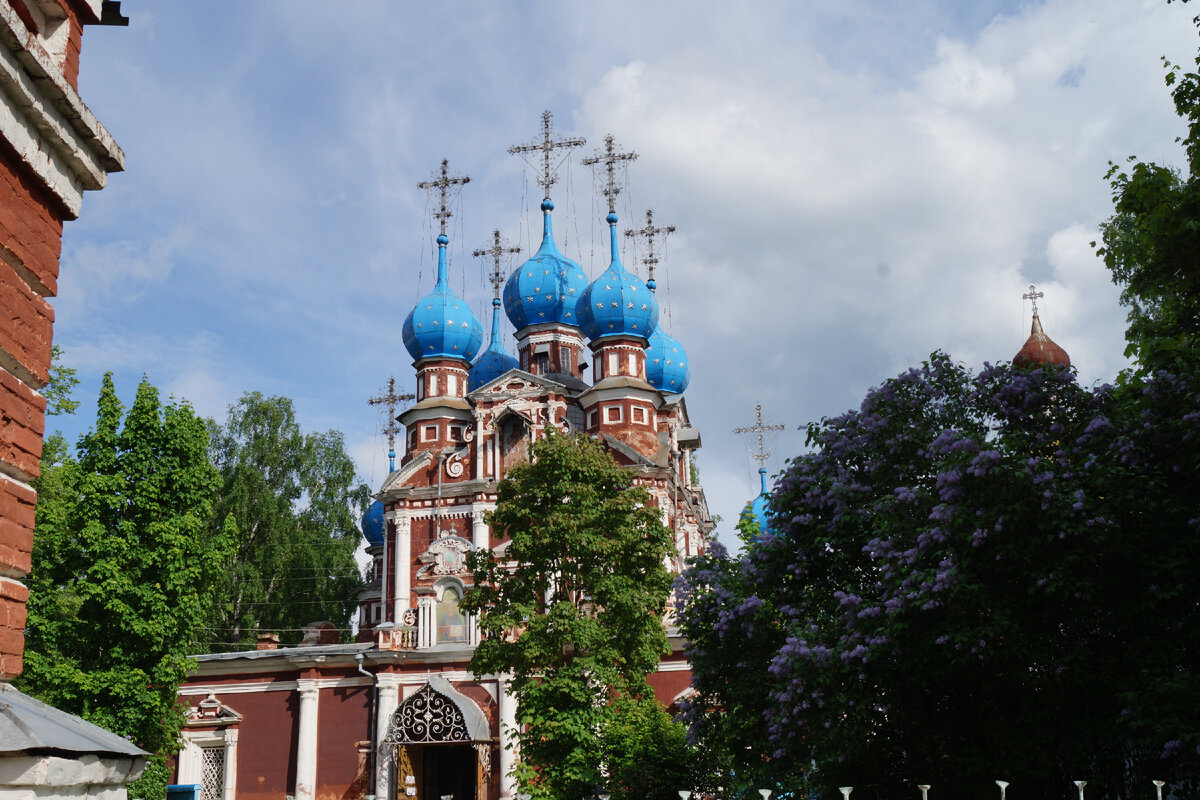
759,428
390,401
649,233
443,183
497,251
610,158
1034,295
546,148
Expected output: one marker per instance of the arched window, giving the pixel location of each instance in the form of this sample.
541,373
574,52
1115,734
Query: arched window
451,622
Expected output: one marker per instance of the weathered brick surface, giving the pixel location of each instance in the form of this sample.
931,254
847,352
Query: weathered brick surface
22,423
30,227
12,625
17,503
74,46
26,326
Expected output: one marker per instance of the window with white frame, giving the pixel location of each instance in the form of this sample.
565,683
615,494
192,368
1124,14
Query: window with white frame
209,758
613,414
639,414
429,433
593,418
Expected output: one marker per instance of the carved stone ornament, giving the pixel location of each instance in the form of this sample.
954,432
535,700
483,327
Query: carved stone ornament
484,749
427,717
446,556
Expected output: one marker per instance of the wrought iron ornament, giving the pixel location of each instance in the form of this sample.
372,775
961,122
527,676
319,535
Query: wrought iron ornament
758,428
546,148
649,233
390,401
497,251
1034,295
443,183
427,716
610,158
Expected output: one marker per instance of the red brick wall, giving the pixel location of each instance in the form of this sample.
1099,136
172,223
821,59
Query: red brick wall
30,243
342,720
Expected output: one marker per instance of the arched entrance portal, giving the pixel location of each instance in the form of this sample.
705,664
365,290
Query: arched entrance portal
438,745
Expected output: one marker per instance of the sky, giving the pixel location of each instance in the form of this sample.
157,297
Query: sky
854,184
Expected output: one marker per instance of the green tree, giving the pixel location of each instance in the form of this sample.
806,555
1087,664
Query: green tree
970,577
571,605
294,500
124,555
1151,244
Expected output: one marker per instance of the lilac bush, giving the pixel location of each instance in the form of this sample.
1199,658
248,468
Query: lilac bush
970,575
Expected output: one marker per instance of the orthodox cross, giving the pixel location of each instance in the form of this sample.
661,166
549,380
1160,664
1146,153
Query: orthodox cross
610,158
390,401
497,251
758,428
443,184
546,147
1033,294
649,233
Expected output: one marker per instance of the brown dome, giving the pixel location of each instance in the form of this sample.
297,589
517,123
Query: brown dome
1040,349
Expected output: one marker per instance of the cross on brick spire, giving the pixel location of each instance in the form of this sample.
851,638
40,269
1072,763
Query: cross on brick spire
758,428
443,183
546,148
609,157
1034,295
649,233
390,401
497,251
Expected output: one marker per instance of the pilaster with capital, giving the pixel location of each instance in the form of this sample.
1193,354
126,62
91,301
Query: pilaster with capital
403,581
388,699
306,746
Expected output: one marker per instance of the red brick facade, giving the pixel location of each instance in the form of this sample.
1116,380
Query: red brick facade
36,197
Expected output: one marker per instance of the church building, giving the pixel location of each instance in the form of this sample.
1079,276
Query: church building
398,713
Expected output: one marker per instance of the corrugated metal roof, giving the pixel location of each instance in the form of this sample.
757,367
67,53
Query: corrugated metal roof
28,724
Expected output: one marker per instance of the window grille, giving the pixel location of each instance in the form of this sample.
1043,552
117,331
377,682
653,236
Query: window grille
212,773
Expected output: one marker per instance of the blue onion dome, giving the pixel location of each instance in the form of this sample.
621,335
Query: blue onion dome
546,286
442,325
757,508
374,525
617,303
493,362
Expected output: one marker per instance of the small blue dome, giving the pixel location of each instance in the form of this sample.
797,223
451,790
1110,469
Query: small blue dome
493,362
757,508
374,525
547,286
617,303
667,366
442,325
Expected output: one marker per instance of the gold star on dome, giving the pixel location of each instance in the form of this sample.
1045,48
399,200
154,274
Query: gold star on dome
630,305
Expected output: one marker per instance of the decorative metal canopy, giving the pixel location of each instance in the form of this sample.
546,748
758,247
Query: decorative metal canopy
436,713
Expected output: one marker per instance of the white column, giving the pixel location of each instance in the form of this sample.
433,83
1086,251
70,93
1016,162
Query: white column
385,706
306,748
508,734
403,566
479,531
426,634
231,740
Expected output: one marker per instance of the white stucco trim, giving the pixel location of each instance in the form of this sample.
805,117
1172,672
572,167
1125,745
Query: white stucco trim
46,122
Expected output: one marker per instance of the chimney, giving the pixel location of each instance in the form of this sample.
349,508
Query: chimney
268,641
